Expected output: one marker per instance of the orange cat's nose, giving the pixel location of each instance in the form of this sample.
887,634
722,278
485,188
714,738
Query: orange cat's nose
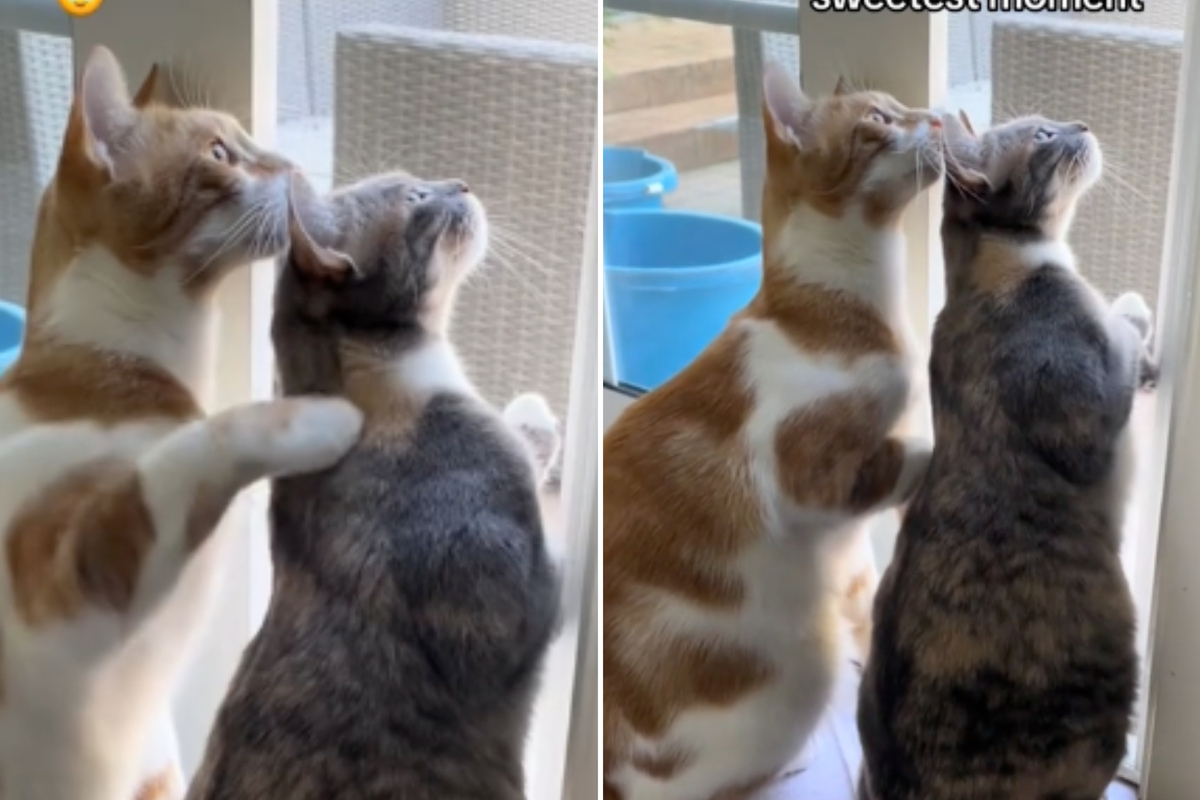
935,122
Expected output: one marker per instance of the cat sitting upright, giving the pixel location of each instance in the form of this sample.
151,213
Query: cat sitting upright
1003,663
731,492
111,480
414,598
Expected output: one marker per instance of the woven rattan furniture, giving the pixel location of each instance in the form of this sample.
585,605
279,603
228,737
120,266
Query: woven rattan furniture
506,115
307,29
35,95
1123,80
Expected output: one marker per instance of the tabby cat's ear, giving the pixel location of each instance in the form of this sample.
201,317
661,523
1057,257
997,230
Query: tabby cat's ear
314,260
786,109
104,108
964,155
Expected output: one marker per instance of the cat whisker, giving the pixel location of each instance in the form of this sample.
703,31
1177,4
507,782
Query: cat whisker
542,265
507,266
511,237
1112,171
244,223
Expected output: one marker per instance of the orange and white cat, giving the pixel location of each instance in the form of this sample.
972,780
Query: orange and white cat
111,479
732,493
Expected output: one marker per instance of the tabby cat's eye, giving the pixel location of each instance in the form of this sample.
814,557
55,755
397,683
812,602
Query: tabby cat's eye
219,151
1043,135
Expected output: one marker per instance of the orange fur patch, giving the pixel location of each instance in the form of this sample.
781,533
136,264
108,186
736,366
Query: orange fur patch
829,455
83,540
997,267
661,766
56,381
162,786
390,413
701,510
818,320
746,790
703,673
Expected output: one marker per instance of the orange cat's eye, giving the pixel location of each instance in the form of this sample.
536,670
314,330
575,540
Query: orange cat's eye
878,117
219,151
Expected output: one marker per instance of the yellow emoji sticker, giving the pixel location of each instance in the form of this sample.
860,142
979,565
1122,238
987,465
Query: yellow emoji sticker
79,8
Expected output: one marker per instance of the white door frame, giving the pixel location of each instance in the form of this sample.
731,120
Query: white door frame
1171,768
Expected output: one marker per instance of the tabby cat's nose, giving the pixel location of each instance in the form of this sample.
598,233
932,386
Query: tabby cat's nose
460,186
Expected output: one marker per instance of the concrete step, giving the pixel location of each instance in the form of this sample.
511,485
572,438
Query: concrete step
690,134
673,83
654,61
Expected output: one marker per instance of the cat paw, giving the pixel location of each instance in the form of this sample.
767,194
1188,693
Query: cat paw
532,418
306,434
1147,373
1133,307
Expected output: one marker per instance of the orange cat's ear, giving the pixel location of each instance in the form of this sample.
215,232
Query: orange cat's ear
149,90
103,109
314,260
785,108
842,87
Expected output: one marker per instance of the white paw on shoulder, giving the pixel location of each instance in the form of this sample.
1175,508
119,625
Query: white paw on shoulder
308,433
1134,308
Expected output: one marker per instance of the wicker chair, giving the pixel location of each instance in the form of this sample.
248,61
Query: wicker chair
35,96
505,115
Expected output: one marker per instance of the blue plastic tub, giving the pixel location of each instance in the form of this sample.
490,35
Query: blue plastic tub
672,281
12,329
634,178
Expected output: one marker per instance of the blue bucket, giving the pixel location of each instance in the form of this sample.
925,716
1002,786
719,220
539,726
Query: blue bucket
672,281
12,329
635,179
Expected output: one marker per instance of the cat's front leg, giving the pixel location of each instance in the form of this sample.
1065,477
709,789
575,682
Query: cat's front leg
1132,309
189,479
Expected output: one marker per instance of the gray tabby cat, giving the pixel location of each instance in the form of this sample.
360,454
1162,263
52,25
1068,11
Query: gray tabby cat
414,598
1002,662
